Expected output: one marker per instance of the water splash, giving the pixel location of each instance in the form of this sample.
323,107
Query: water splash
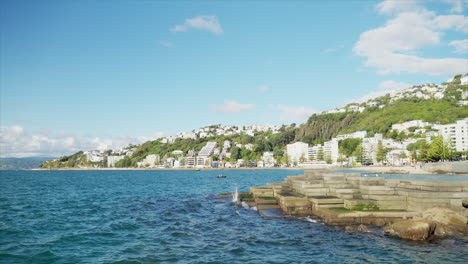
308,219
235,196
245,205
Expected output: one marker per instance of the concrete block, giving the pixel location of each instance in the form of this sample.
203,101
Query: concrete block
346,191
387,197
378,192
376,188
331,200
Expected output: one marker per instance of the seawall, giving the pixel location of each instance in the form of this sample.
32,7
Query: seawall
357,199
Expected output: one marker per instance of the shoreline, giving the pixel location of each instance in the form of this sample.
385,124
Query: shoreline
161,169
369,169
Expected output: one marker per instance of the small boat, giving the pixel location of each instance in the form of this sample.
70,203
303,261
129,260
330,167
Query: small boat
221,176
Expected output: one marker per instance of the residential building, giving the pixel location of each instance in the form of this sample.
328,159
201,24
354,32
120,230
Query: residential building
312,152
190,162
268,159
370,145
177,152
414,123
150,161
297,150
208,149
357,134
330,150
457,133
464,80
111,160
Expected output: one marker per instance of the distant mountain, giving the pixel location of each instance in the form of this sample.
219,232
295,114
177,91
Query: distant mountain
22,163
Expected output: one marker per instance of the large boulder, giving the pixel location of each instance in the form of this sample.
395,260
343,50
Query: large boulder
448,221
411,229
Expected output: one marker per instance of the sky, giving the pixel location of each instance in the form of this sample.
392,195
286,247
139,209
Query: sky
81,75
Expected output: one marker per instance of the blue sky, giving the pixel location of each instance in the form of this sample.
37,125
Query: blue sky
81,74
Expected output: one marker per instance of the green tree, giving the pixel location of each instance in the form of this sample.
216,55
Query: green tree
347,146
235,153
277,152
381,152
359,154
441,149
302,159
402,155
286,160
320,153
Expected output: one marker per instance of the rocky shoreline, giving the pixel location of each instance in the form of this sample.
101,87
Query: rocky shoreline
410,209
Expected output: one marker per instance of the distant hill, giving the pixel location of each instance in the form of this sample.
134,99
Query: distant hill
444,103
22,163
431,103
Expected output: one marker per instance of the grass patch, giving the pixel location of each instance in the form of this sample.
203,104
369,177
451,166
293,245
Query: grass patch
246,195
268,198
340,209
366,207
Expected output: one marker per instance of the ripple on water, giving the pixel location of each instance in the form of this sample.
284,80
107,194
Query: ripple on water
172,216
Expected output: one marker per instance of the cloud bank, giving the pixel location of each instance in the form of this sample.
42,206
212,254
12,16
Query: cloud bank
15,141
391,48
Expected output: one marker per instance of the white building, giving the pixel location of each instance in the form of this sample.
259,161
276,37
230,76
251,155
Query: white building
111,160
313,152
177,152
297,150
330,150
413,123
268,159
226,145
149,161
370,145
464,80
457,133
208,149
357,134
190,162
249,146
94,156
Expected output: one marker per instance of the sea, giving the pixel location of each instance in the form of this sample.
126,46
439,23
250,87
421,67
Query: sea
149,216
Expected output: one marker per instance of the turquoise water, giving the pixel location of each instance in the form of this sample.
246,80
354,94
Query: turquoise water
173,217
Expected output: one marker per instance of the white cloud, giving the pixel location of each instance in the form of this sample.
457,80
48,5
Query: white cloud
208,23
232,107
263,88
294,113
15,141
455,22
457,5
388,47
460,46
385,87
394,6
166,43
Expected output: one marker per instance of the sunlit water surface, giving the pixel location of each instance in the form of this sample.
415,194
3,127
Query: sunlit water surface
173,216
